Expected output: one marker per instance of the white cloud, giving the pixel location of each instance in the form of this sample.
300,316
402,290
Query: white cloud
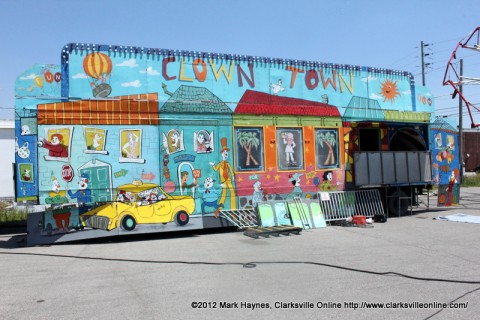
407,92
79,76
150,71
135,84
131,63
428,94
369,79
375,96
31,76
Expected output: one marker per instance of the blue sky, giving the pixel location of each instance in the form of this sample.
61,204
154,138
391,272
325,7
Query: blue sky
375,33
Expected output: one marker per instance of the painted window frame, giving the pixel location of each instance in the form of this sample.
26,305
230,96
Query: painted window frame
209,143
290,157
88,131
123,141
259,151
49,131
320,146
30,123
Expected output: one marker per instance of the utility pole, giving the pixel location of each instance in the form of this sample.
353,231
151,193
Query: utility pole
460,122
422,56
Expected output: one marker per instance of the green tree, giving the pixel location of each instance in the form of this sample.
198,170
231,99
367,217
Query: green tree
247,140
330,140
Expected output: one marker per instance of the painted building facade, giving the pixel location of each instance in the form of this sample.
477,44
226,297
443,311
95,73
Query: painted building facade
220,131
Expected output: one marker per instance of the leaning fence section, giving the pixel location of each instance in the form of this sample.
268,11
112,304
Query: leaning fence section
340,205
241,218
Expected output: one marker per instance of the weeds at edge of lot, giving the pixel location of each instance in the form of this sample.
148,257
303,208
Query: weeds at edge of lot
471,181
11,214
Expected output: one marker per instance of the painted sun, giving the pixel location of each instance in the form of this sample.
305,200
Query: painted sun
389,90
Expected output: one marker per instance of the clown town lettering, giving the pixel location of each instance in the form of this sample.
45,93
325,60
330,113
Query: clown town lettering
199,70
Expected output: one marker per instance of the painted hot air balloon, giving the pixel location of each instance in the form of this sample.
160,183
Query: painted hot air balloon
38,81
98,67
48,76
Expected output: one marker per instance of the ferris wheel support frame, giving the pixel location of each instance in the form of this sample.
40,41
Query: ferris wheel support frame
460,79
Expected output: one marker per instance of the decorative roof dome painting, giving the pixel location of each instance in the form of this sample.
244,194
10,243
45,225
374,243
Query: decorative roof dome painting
189,99
254,102
363,108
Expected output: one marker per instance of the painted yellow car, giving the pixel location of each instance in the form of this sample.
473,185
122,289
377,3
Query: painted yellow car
138,203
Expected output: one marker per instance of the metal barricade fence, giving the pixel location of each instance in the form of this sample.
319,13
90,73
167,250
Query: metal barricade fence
340,205
241,218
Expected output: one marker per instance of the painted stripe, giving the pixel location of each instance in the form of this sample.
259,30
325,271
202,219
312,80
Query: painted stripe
79,105
98,112
91,65
106,119
54,112
66,115
118,105
129,112
101,62
137,105
150,120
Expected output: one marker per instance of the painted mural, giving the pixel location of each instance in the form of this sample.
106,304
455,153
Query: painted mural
36,85
148,140
445,162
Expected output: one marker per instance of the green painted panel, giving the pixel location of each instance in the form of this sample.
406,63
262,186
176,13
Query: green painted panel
266,215
281,212
317,215
407,116
247,120
308,216
331,122
295,215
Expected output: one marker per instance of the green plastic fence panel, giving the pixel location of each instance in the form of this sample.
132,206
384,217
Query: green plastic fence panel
281,212
295,215
267,218
308,219
317,215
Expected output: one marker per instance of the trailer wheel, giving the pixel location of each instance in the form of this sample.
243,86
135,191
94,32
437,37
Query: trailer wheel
181,218
128,223
393,203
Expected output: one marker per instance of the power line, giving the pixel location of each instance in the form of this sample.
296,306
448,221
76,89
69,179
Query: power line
403,58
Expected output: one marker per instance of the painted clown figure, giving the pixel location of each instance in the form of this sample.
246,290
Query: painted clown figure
297,190
83,194
225,172
55,147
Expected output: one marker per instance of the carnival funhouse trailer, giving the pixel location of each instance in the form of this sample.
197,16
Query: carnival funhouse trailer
121,140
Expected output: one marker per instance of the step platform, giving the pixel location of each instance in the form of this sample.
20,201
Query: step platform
257,232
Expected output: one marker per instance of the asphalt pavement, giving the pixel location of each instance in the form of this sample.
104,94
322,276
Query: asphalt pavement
412,267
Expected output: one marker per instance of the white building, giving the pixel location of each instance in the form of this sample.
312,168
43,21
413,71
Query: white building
7,147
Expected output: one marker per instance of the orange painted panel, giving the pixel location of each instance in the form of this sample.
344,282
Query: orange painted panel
136,109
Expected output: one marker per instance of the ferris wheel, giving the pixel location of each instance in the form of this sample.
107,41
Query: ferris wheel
454,77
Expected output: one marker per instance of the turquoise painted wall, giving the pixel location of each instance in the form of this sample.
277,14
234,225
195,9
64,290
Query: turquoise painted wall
139,70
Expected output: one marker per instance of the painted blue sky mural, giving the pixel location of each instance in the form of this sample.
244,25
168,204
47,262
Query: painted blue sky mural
132,70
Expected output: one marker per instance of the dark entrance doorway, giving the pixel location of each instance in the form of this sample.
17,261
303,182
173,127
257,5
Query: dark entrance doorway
369,139
407,139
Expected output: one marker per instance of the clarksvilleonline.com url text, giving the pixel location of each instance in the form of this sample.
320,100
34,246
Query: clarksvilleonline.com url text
326,305
391,305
